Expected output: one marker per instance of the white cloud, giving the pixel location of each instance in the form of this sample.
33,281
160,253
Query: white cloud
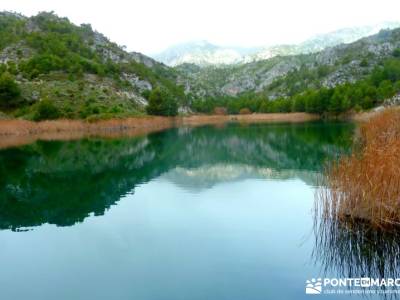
151,25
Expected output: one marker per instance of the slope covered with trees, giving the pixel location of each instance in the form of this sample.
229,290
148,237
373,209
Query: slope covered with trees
51,68
350,76
373,90
74,69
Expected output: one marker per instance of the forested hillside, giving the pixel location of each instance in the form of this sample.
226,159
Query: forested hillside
358,75
51,68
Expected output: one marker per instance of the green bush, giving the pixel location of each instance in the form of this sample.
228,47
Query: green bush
161,103
9,91
46,110
364,63
396,52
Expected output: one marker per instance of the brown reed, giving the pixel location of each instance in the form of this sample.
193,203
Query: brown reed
366,184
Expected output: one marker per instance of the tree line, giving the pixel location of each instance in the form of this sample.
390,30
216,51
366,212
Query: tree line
382,83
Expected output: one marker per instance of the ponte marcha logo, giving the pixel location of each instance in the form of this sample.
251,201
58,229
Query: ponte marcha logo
314,286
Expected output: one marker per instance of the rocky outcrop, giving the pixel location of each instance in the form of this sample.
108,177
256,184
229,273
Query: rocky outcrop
203,53
393,101
275,76
98,63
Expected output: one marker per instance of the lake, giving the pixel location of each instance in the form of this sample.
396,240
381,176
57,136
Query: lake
221,212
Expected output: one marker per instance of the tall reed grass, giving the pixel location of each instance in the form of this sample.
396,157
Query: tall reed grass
366,184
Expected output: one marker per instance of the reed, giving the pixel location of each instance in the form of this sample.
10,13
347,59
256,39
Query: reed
366,184
23,127
15,132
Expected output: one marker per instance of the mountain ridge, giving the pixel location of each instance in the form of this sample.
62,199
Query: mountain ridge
204,53
282,76
80,70
51,68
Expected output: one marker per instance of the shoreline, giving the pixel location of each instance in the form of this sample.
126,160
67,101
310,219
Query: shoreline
16,132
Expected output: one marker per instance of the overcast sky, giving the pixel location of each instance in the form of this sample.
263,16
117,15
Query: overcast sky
149,26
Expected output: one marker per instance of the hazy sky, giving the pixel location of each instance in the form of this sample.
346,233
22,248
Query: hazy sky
149,26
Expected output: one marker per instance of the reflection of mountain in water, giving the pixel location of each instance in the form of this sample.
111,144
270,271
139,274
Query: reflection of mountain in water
63,182
197,179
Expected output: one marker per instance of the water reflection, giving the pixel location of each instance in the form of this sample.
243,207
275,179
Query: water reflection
64,182
207,176
357,250
352,249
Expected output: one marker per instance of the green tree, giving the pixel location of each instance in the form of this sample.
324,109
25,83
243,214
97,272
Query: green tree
364,63
9,91
46,110
299,103
396,52
336,104
161,103
385,90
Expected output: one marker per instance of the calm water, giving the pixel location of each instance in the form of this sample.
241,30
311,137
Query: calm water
203,213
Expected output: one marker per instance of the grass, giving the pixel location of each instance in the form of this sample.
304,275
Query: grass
366,184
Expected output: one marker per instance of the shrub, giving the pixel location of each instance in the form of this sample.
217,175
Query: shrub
220,111
364,63
46,110
161,103
9,91
245,111
396,52
357,108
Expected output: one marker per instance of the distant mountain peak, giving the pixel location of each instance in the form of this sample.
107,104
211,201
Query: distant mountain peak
204,53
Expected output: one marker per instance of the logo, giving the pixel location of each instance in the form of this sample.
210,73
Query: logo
357,285
365,282
314,286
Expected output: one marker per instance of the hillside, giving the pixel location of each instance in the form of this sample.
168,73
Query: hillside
283,76
51,68
322,41
64,70
203,53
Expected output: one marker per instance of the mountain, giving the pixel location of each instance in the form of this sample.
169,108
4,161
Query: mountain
75,68
51,68
282,76
203,53
322,41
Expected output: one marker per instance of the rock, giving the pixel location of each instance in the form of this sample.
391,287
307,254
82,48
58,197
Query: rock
395,100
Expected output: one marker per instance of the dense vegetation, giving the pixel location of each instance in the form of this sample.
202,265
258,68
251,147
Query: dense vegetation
9,91
384,82
74,69
51,68
161,103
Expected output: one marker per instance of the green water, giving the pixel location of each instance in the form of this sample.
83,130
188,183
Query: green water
188,213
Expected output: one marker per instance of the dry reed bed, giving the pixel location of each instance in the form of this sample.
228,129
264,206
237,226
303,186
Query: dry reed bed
366,184
22,127
21,132
250,118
